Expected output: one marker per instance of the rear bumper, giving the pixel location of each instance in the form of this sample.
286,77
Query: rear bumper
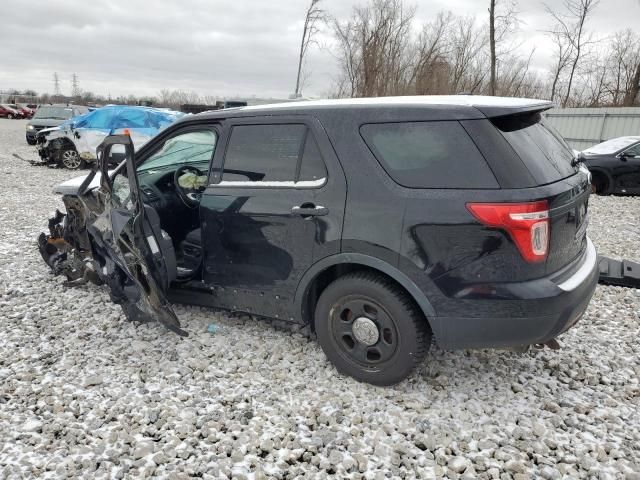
544,309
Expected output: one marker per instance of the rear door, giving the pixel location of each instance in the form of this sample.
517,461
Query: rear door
275,207
91,131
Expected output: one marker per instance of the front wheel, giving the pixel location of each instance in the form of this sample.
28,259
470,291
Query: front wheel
370,329
10,116
599,184
70,159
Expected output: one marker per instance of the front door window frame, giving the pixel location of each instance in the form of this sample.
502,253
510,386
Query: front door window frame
217,176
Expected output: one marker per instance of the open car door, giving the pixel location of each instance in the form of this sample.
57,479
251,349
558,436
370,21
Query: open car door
144,261
111,236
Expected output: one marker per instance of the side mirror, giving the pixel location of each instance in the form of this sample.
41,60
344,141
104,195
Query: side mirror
624,156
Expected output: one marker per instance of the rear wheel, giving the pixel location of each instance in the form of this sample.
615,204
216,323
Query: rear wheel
370,329
70,159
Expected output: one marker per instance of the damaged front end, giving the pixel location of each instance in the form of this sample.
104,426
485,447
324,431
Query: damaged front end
106,238
55,146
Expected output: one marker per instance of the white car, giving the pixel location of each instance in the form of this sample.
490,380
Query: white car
74,143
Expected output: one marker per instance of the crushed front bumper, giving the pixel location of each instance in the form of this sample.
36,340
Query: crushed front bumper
76,248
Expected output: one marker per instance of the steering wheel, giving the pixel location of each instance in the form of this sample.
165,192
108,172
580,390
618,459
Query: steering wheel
189,196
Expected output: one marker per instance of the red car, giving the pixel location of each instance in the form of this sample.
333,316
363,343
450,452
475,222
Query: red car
23,111
7,111
27,111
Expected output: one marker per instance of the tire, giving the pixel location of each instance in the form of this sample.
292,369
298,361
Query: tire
70,159
31,141
370,329
599,184
10,116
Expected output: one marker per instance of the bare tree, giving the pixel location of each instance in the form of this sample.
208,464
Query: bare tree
373,49
467,57
430,67
634,89
626,46
570,36
503,21
315,16
564,50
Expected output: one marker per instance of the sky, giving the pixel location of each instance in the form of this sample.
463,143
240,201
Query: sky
222,48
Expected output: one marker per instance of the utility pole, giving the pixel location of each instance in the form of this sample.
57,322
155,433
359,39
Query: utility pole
492,45
56,83
75,87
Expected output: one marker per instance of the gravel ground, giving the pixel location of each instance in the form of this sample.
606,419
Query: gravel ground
83,393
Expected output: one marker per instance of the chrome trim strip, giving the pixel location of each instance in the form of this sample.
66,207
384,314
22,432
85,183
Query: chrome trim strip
583,272
303,184
530,216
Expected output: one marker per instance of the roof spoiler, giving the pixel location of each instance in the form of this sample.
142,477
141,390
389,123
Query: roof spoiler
493,111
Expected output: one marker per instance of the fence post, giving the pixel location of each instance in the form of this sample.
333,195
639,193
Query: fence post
604,122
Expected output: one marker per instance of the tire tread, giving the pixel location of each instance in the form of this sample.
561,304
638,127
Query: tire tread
413,313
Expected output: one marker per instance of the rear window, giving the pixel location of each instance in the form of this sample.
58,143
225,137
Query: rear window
543,151
429,155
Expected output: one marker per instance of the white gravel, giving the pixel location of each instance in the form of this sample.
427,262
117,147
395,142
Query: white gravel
83,393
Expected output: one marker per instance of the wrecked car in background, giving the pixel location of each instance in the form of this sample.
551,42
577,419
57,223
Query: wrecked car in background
74,143
49,116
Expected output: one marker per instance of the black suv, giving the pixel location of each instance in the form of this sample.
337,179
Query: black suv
381,223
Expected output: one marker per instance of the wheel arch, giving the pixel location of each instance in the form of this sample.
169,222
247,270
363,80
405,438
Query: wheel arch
316,279
603,172
61,142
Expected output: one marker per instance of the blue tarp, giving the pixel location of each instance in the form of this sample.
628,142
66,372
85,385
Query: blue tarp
112,117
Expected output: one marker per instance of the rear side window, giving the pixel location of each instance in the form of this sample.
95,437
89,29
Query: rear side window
311,166
429,155
543,151
273,153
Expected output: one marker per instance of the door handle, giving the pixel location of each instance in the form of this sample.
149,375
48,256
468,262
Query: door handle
310,210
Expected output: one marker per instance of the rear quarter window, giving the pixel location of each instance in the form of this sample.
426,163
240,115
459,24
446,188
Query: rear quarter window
543,151
428,155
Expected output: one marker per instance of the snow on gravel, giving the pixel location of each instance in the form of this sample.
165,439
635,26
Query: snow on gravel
83,393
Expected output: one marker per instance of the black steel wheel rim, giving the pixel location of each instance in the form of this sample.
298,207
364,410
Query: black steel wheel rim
344,315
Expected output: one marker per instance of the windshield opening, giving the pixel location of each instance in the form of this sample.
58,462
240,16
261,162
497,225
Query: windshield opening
58,113
186,148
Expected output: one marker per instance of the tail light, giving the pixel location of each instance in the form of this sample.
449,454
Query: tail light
526,223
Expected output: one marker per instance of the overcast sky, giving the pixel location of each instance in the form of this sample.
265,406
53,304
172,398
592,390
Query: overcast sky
214,47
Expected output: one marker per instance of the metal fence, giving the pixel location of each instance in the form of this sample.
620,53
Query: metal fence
584,127
12,98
